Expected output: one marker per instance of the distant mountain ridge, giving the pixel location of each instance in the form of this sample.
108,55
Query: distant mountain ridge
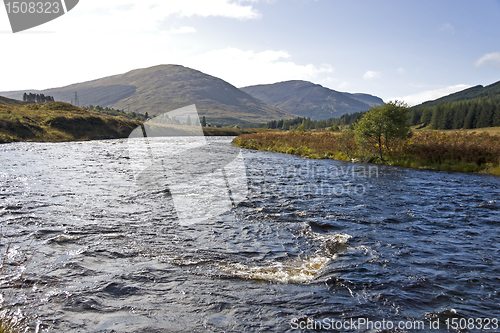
165,88
466,94
307,99
365,98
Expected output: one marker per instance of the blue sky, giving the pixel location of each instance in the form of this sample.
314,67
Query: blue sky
409,50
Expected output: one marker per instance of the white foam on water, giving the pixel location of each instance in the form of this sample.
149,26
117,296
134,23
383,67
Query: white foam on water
293,271
62,238
339,238
300,270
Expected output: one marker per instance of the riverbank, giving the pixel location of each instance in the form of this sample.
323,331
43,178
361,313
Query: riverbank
231,131
60,122
454,150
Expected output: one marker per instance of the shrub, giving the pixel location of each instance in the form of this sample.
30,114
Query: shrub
381,126
458,151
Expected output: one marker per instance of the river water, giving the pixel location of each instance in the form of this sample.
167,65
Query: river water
316,243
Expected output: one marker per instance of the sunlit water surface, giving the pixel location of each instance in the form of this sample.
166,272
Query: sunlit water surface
316,240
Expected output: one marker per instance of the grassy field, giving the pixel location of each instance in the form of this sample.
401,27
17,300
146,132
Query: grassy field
489,130
57,121
459,150
231,131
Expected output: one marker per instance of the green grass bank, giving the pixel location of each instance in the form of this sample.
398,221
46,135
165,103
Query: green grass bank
434,150
57,121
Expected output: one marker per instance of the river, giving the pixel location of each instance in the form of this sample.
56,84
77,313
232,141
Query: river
315,244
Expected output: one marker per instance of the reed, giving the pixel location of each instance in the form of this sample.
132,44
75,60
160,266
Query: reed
457,151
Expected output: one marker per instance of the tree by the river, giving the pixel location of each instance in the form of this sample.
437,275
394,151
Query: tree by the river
382,125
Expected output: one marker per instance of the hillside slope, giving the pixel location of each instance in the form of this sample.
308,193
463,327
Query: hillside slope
165,88
467,94
10,101
57,121
366,98
306,99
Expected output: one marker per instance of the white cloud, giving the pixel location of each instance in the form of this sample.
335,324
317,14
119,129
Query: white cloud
489,59
344,85
446,27
372,75
110,37
185,8
429,95
182,30
401,70
243,68
145,16
334,83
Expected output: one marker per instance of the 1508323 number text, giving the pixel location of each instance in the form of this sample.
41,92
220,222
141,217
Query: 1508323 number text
25,7
472,323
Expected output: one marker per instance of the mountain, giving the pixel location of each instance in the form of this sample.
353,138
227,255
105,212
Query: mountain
470,93
165,88
366,98
307,99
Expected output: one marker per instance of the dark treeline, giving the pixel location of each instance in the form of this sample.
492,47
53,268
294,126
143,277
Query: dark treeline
308,123
38,98
116,112
472,113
